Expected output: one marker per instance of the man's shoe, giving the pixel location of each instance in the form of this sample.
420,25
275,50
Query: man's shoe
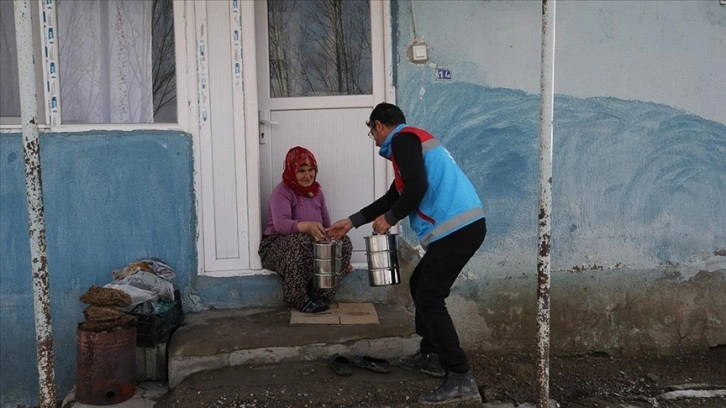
424,362
340,365
456,388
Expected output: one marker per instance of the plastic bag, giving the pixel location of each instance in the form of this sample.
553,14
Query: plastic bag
153,265
149,281
138,295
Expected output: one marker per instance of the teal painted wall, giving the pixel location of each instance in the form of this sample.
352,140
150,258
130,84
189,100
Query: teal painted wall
110,198
639,176
636,182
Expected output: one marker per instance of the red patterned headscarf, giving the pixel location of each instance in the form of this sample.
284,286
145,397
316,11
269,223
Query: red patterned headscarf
296,157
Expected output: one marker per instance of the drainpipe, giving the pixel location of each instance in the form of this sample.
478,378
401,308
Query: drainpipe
34,196
547,79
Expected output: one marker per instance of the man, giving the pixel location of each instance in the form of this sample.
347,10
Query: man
447,215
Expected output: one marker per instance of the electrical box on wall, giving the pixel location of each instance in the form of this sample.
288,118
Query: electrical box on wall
418,52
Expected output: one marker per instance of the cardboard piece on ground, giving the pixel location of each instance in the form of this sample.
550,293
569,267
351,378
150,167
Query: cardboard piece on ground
357,313
327,317
339,313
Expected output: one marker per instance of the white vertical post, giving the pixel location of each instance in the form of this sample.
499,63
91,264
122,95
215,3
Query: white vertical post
34,195
547,78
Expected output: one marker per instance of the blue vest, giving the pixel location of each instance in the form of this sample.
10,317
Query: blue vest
450,202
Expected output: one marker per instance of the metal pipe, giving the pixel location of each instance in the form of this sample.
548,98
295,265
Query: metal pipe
547,78
34,196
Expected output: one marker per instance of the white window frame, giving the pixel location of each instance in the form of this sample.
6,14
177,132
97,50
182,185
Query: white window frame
53,123
14,123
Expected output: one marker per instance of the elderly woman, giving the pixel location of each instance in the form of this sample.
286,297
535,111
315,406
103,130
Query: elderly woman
298,216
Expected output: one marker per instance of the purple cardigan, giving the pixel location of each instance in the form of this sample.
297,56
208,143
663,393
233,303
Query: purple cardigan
287,208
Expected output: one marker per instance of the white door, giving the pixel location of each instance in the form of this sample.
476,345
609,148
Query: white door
320,70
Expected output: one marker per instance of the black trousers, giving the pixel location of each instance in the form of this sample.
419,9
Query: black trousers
430,285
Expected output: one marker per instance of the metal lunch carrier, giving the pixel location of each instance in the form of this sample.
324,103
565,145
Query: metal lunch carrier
327,264
382,257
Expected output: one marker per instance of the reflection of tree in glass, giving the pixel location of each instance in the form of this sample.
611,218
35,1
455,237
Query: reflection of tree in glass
280,14
319,47
164,57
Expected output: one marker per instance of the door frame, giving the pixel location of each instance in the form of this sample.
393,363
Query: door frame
383,91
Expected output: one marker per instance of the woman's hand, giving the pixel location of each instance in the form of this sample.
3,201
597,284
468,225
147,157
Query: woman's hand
340,228
313,228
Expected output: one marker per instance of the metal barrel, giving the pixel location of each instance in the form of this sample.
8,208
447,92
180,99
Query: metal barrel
105,366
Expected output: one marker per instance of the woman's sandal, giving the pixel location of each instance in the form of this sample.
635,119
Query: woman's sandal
314,306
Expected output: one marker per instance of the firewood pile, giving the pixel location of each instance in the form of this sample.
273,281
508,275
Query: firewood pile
102,313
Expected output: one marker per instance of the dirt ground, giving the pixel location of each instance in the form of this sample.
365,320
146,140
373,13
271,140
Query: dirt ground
594,380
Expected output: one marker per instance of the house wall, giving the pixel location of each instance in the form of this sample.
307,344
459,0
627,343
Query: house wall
639,183
110,198
639,187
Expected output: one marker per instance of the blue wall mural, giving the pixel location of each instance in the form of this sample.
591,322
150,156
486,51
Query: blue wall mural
639,180
110,198
635,184
639,177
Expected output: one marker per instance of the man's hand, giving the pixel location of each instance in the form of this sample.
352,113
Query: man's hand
340,228
380,225
313,228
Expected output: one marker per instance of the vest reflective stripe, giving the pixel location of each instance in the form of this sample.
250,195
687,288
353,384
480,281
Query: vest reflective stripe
428,145
460,220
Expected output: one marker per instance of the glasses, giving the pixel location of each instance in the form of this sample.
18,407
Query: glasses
370,132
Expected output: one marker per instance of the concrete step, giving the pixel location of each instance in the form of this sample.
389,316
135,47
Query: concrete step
226,338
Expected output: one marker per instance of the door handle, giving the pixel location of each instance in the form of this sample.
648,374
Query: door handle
265,121
263,140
